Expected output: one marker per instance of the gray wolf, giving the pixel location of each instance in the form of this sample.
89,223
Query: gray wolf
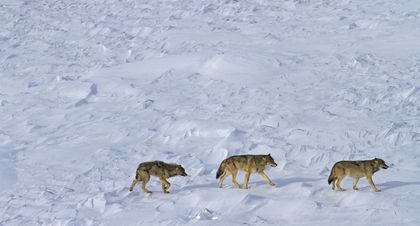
158,169
357,170
246,163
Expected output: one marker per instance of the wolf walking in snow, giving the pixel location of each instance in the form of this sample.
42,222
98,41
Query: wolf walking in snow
246,163
158,169
357,170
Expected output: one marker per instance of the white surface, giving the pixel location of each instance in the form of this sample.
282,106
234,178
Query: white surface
89,89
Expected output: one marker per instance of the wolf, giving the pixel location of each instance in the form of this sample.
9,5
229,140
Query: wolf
247,163
158,169
357,170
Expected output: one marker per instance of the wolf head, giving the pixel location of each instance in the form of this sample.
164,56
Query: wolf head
180,171
270,161
380,163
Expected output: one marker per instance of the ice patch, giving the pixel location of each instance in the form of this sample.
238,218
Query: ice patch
75,90
198,128
205,214
247,70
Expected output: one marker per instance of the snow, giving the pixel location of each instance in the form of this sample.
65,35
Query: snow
89,89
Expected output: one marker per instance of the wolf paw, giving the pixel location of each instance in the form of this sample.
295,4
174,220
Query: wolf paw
377,190
272,184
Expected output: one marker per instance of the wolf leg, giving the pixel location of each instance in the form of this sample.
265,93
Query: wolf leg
234,174
372,185
247,174
338,184
222,178
263,175
144,181
165,185
356,180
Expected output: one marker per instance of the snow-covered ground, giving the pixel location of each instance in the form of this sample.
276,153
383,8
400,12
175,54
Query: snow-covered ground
89,89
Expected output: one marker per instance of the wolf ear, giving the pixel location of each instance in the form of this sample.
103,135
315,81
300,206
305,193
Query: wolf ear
269,154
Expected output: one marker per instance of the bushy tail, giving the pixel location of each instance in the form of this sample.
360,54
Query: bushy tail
331,177
221,170
137,175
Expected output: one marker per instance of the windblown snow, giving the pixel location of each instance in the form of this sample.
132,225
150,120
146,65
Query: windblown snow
89,89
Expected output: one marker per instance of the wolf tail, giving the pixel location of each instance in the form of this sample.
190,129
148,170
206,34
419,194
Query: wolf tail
331,177
221,169
138,175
